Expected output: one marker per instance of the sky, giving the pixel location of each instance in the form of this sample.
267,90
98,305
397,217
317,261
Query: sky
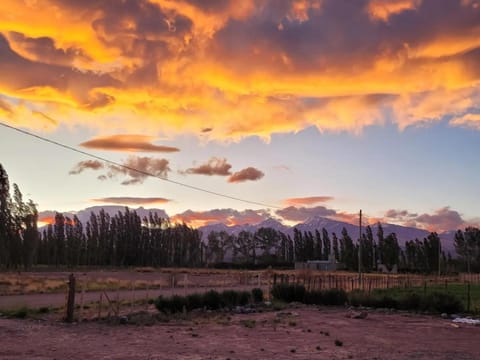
301,107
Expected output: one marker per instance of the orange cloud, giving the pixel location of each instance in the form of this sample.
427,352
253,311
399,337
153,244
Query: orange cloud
46,220
301,214
133,143
467,120
214,166
123,200
384,9
240,67
310,200
247,174
136,169
228,217
87,164
442,220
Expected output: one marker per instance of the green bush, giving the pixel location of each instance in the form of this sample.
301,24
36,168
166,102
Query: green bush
289,293
314,297
177,303
194,301
243,298
212,300
434,302
444,303
411,301
359,298
229,298
257,295
334,297
162,304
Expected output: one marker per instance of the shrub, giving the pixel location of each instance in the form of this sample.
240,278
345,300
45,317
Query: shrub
444,302
230,298
243,298
334,297
411,301
359,298
314,297
162,304
257,295
177,303
386,302
194,301
212,300
289,293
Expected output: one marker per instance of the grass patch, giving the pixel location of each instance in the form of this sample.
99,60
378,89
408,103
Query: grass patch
450,299
437,302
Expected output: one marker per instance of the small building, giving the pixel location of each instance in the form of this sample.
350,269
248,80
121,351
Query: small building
320,265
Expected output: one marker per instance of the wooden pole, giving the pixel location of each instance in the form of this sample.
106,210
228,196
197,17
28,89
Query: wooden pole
360,250
70,299
100,305
82,296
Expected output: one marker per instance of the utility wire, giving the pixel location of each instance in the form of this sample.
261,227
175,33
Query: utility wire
192,187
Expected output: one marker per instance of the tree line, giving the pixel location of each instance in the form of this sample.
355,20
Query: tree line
126,239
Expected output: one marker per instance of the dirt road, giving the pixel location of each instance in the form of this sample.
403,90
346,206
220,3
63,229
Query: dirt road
304,333
58,299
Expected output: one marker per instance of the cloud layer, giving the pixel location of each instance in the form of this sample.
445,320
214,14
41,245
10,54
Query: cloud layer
241,68
125,200
309,200
247,174
228,217
214,166
130,143
135,169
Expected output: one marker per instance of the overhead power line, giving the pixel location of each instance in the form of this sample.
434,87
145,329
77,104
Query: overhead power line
146,173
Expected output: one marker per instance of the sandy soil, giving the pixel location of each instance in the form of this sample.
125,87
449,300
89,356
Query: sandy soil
294,333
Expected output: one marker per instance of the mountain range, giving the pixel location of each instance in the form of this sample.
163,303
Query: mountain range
403,233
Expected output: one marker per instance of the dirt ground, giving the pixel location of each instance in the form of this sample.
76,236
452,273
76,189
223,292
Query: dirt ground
293,333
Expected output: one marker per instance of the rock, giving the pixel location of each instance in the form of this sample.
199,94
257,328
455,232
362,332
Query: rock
444,316
123,320
361,315
357,314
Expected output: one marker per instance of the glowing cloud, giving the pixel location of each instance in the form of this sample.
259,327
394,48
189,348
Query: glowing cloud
240,67
123,200
247,174
228,217
214,166
467,120
300,214
135,168
133,143
442,220
383,9
87,164
310,200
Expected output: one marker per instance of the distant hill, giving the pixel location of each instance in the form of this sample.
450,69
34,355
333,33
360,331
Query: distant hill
403,233
84,215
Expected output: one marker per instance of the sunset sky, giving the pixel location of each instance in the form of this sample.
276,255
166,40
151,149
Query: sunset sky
314,107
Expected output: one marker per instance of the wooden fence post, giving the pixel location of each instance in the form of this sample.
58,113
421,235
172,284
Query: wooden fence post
70,299
468,296
82,296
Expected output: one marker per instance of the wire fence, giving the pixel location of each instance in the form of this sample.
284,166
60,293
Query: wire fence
100,293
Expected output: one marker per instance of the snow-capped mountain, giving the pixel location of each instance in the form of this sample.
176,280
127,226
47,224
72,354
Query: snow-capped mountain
403,233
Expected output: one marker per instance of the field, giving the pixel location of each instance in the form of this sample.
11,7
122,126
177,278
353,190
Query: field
283,332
